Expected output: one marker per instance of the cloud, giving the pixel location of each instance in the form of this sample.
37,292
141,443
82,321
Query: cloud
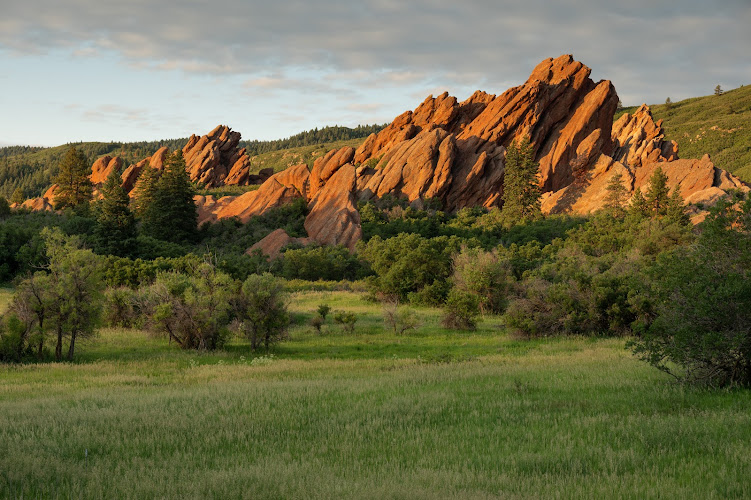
648,48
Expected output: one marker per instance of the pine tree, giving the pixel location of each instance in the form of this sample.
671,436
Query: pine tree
617,195
18,196
73,179
676,208
638,205
718,90
171,215
144,191
657,196
668,103
521,187
115,232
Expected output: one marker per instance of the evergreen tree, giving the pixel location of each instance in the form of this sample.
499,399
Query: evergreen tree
144,191
18,196
638,205
676,208
521,187
4,207
668,103
718,90
115,232
657,196
172,214
617,195
73,179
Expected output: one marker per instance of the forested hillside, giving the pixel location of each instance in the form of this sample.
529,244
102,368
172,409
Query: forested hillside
32,168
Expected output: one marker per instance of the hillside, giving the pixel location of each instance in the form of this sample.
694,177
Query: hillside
34,168
716,125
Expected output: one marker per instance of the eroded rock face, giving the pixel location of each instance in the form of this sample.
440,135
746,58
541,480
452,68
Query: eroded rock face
333,217
215,160
272,244
638,139
103,167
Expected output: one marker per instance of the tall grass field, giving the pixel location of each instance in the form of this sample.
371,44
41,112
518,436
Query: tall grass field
430,414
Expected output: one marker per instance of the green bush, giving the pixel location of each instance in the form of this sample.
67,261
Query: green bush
461,311
328,263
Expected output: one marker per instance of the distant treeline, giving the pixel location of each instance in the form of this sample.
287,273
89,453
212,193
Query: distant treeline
31,169
311,137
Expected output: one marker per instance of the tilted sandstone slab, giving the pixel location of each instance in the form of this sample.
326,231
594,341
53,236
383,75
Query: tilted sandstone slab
103,167
638,139
273,243
333,217
215,160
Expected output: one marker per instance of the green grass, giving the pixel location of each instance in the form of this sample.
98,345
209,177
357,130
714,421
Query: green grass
285,158
432,414
716,125
6,294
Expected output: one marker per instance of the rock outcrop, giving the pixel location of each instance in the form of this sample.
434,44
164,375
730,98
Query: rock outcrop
215,160
454,152
272,244
103,167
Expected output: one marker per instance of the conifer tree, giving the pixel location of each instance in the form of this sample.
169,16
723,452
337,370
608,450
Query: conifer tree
115,232
521,187
639,204
144,191
18,196
171,214
676,208
617,195
657,196
73,180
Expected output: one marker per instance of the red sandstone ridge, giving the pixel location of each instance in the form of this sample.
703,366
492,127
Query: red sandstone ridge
455,152
215,159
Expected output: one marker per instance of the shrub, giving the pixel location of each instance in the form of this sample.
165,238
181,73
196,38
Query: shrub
483,275
317,322
702,303
323,310
193,310
398,319
261,309
347,320
330,263
461,311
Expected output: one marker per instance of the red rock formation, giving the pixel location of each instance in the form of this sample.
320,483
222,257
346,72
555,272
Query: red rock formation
333,217
637,139
102,168
272,244
215,160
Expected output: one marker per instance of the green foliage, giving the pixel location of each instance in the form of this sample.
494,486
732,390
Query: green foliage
347,320
329,263
145,192
74,185
408,263
521,184
323,310
398,319
115,232
262,310
482,275
656,197
4,207
588,284
192,310
702,303
714,125
461,310
18,196
617,195
171,214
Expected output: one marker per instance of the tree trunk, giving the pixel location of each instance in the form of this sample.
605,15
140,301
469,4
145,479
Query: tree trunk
72,345
59,347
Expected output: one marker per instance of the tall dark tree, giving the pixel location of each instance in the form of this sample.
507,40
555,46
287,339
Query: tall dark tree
73,180
115,232
657,195
521,186
18,196
144,191
638,204
171,215
718,90
617,195
676,207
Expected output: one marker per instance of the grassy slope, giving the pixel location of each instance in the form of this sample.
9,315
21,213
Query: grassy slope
717,125
285,158
478,415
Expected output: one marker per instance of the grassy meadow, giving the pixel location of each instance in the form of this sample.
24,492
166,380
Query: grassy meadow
427,414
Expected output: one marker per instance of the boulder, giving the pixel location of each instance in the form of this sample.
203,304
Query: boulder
272,244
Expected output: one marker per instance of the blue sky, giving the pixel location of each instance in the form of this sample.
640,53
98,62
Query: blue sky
123,70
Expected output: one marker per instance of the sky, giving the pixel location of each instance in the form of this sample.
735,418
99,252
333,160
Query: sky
131,70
